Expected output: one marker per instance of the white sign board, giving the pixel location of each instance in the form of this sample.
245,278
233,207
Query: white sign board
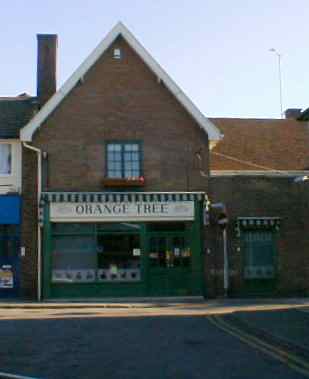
122,211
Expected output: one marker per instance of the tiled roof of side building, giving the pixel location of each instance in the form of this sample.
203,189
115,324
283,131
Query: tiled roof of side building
257,144
15,112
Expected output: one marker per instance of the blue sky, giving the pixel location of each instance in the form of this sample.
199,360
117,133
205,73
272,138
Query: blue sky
216,50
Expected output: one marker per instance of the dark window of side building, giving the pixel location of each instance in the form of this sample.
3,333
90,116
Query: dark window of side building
123,160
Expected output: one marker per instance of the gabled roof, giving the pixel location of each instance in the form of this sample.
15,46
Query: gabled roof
27,132
261,145
15,112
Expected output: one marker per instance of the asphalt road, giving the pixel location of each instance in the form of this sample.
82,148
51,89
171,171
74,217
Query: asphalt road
129,346
290,325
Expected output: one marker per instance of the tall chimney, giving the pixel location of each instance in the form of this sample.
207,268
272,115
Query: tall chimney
47,67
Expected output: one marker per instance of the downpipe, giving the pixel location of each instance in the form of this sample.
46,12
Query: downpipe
39,233
226,264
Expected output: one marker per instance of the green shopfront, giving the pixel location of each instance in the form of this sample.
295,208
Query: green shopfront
122,244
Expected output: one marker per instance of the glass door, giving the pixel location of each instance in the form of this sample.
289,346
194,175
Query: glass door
169,251
169,262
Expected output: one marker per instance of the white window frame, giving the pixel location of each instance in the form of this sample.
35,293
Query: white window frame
12,182
12,159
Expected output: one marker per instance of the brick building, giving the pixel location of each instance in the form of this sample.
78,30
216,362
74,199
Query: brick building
118,167
120,150
14,113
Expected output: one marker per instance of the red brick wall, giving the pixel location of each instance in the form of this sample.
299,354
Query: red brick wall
122,99
117,100
29,225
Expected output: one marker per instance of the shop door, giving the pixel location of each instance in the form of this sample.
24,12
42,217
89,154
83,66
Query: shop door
9,262
169,264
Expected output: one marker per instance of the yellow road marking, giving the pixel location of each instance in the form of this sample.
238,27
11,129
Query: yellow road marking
289,359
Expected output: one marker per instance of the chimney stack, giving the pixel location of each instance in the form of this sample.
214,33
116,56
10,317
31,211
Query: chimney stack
46,67
292,113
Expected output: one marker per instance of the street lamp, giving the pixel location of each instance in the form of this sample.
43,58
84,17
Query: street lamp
280,77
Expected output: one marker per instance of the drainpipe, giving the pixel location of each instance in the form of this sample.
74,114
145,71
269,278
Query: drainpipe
39,191
226,263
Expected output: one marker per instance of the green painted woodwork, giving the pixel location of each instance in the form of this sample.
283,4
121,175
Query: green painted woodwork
158,281
47,249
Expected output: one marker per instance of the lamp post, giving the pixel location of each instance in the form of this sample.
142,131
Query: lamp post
273,50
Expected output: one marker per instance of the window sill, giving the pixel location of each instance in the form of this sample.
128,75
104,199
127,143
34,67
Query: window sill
122,182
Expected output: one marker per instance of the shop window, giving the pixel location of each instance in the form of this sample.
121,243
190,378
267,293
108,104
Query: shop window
9,230
168,226
5,159
123,160
119,257
8,248
96,253
74,259
118,227
73,228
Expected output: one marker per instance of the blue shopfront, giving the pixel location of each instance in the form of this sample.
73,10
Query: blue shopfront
10,219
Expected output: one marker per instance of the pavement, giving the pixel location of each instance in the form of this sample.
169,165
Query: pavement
150,307
158,302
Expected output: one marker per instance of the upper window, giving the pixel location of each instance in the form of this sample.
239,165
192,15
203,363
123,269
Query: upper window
117,54
123,160
5,159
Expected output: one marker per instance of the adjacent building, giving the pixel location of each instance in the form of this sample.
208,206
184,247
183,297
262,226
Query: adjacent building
256,171
14,113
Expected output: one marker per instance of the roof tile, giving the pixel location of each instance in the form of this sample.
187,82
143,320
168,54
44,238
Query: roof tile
15,112
273,143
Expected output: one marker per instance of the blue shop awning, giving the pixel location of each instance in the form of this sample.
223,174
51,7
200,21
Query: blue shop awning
10,209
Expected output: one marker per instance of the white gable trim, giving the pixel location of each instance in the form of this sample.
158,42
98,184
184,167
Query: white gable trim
28,130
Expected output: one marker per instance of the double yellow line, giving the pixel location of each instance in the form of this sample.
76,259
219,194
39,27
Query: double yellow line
291,360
